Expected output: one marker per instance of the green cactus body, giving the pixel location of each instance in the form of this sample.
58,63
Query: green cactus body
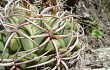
1,46
44,34
27,44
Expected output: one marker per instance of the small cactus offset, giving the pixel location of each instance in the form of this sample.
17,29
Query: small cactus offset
38,35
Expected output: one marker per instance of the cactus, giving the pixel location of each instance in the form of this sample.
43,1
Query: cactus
33,40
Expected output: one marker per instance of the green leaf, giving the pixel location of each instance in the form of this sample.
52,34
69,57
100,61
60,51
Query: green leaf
97,33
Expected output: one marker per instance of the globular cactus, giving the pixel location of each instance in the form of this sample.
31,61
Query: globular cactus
32,39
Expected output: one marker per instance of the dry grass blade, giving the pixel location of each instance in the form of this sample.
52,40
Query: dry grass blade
54,68
47,62
45,42
57,24
4,31
61,36
35,58
24,9
47,26
41,35
57,52
7,7
74,16
24,55
62,27
36,25
72,47
33,50
70,40
48,15
36,36
65,65
57,64
21,33
72,56
1,15
6,60
2,23
46,10
7,42
56,48
63,14
7,64
6,24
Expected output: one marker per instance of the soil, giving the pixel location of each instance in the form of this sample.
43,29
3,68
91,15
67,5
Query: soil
97,53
